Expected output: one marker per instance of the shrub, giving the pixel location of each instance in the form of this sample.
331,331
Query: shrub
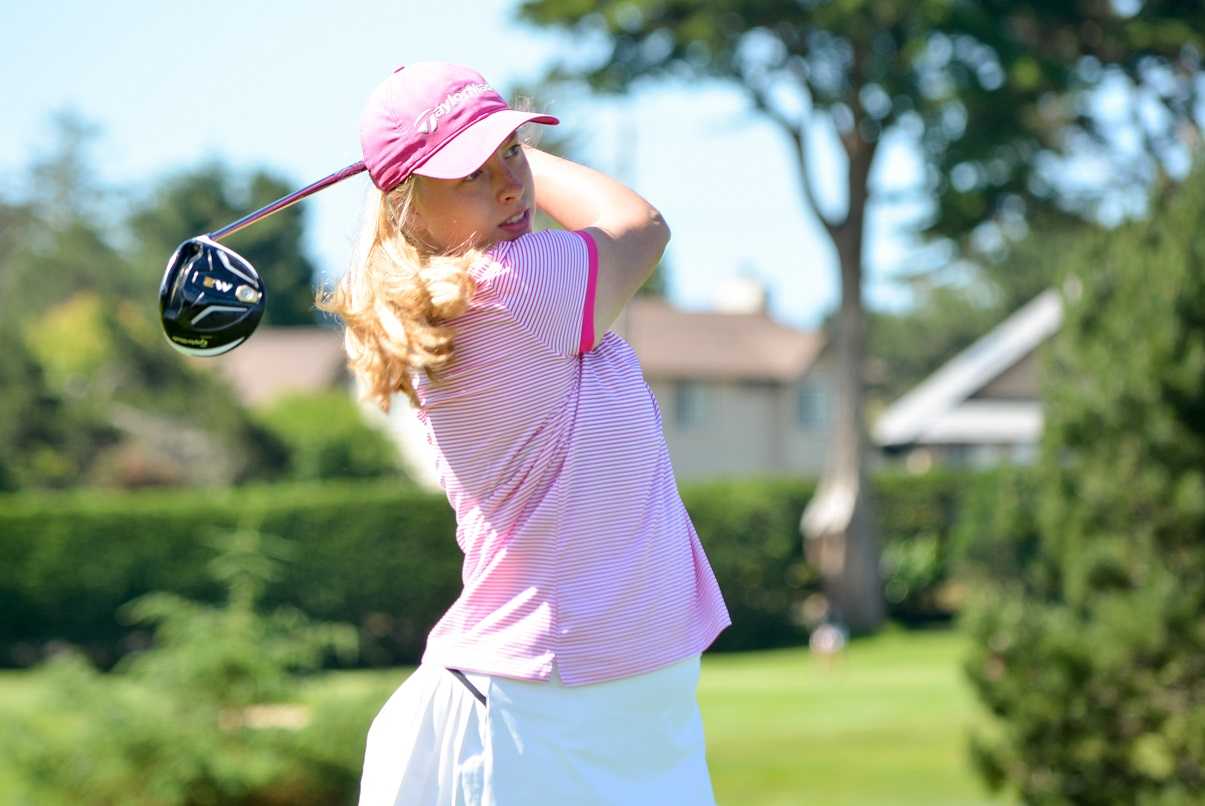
328,438
750,531
374,555
918,515
383,558
995,536
1094,664
187,722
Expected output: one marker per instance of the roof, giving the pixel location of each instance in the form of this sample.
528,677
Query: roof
994,422
280,360
673,343
670,343
938,410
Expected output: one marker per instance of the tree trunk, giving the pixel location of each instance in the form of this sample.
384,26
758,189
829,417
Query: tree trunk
839,526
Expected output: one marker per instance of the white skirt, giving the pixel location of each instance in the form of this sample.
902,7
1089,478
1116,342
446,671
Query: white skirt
633,741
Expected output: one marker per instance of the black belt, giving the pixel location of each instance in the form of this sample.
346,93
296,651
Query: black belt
460,676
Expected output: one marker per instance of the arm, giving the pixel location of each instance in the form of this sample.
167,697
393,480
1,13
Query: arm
629,232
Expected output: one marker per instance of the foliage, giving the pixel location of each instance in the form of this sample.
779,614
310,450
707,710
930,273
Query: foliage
381,557
883,724
998,97
999,100
44,438
369,553
328,437
95,395
995,538
953,309
190,721
1095,668
209,196
994,92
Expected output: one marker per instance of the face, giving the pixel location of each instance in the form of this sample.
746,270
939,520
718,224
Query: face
494,203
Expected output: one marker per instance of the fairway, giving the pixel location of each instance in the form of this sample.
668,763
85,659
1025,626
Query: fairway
885,724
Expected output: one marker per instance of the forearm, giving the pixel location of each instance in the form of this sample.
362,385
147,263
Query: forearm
577,197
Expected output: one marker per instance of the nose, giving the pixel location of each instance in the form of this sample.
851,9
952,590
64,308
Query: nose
510,185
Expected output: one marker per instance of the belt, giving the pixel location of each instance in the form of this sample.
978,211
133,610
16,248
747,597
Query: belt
459,675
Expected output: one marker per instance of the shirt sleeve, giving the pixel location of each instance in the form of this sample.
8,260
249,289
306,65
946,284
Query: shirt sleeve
549,288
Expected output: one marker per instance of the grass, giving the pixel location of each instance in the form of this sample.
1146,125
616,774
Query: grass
884,725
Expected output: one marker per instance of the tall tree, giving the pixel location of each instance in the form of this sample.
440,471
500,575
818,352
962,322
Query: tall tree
1092,663
92,391
993,91
953,308
209,196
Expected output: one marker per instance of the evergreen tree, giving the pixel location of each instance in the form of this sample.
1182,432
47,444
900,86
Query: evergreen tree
1094,665
210,196
90,391
953,308
994,93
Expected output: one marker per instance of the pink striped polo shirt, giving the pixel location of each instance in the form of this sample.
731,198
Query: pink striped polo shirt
577,548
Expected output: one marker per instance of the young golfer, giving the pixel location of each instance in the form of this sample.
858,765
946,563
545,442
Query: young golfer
566,671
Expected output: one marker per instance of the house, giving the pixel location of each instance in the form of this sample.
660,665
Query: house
740,394
982,407
282,360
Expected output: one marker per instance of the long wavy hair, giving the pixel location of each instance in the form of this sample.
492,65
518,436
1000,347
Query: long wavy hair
396,298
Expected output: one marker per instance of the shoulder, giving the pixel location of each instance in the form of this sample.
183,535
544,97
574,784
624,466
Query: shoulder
550,246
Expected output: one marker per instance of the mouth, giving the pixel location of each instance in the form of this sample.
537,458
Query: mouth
518,221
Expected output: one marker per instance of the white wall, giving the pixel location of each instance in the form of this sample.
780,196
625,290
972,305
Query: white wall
732,428
742,429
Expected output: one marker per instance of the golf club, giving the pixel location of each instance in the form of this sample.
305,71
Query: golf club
211,298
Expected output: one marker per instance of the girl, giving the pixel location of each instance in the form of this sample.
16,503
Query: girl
565,673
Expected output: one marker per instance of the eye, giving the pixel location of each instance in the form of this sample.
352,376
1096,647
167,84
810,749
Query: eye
515,149
472,176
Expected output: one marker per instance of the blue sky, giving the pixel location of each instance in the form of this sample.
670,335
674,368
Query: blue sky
280,84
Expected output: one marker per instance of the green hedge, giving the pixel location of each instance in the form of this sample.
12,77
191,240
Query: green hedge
384,558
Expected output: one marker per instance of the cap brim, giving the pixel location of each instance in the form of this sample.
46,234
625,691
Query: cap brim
467,151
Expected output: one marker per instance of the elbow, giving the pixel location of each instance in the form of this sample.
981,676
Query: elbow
660,229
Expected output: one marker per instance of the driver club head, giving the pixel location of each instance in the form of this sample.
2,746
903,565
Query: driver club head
211,298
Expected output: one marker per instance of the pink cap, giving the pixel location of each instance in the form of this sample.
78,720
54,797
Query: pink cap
435,119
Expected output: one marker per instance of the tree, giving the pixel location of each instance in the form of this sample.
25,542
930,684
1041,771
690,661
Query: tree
209,196
94,392
1093,664
656,285
954,308
565,141
993,92
45,441
328,437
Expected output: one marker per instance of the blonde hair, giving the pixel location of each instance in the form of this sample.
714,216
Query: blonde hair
396,298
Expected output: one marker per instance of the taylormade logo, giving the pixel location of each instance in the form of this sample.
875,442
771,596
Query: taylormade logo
427,121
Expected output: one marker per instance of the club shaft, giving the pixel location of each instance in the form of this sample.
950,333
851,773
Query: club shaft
287,201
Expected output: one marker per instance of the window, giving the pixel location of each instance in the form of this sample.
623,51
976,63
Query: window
810,406
688,404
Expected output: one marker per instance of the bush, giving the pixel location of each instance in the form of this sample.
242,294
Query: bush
995,536
918,515
384,559
1094,663
750,531
328,438
374,555
211,715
